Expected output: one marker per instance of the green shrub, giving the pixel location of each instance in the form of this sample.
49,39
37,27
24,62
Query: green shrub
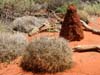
11,46
54,4
47,55
61,9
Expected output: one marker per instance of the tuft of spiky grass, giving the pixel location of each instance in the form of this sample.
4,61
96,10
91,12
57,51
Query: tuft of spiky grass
61,9
93,9
24,24
47,54
54,4
10,9
11,46
5,27
17,5
27,23
83,15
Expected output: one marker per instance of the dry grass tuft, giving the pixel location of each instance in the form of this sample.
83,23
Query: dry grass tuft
93,9
11,46
83,15
47,55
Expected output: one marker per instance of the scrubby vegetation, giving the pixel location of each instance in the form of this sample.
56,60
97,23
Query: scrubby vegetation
27,23
54,4
93,9
11,46
10,9
47,54
84,16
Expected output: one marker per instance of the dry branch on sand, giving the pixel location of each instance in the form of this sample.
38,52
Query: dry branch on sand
89,28
40,29
84,48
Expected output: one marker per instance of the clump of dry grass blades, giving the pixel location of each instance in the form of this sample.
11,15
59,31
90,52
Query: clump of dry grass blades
47,54
92,9
84,15
9,9
11,46
54,4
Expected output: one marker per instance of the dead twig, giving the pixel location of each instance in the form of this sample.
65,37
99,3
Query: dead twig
89,28
84,48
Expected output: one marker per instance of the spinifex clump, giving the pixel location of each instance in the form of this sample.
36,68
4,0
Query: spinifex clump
47,55
12,45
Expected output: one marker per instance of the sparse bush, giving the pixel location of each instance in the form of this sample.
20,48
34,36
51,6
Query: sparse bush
9,9
4,27
40,1
61,9
47,55
23,24
11,46
17,5
54,4
93,9
27,23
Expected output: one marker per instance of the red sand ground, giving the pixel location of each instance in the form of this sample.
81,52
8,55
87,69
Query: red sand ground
86,63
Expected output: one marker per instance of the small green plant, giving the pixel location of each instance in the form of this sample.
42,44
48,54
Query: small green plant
47,54
61,9
11,46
